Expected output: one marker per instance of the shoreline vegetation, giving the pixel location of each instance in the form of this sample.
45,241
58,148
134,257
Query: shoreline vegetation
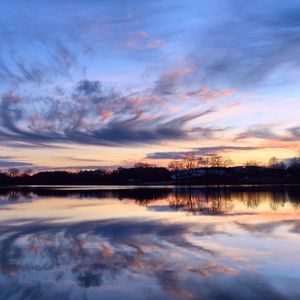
209,170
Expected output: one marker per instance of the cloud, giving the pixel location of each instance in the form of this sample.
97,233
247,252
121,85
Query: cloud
142,40
88,87
93,115
9,162
198,151
294,132
49,41
291,134
17,67
247,43
170,80
82,159
12,164
206,94
46,40
76,167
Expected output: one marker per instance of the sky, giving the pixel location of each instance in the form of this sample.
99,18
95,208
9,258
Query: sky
98,84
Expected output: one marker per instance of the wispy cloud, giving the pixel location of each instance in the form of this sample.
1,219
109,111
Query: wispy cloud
79,118
266,133
199,151
10,162
247,43
206,94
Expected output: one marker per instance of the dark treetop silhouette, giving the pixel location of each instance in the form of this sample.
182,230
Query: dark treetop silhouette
211,169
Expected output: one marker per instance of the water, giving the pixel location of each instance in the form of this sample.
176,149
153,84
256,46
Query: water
149,243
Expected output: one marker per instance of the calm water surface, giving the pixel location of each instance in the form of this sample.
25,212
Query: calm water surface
149,243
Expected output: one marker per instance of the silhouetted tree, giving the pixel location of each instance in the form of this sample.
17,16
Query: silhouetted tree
295,163
275,163
252,163
215,171
189,163
218,161
203,162
175,166
143,165
13,172
27,172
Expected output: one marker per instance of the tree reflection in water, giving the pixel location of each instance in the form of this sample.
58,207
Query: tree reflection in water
219,201
199,202
209,201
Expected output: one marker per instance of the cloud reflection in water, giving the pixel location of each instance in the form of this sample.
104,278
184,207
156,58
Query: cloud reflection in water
211,253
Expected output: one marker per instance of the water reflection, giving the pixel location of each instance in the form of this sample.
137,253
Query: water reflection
166,243
214,201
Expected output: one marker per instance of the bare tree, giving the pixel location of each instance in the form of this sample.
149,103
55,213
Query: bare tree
13,172
218,161
275,163
143,165
175,166
27,172
203,162
190,162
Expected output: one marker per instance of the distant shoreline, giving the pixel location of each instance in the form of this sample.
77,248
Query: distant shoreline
148,186
159,176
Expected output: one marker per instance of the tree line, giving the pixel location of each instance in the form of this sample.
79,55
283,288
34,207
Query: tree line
190,169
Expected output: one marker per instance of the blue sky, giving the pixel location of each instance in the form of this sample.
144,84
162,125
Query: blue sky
104,83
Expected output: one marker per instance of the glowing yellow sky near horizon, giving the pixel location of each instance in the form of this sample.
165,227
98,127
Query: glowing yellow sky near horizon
229,116
120,156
